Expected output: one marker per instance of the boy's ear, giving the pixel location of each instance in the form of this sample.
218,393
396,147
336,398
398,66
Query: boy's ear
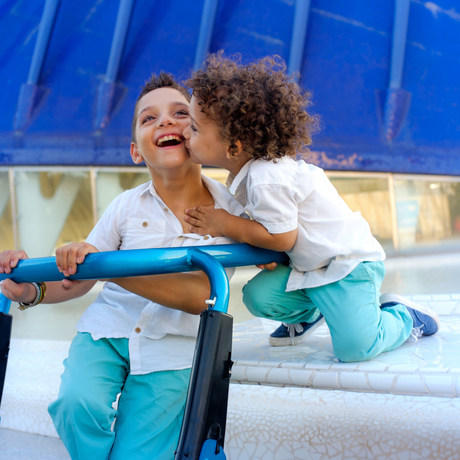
136,154
235,155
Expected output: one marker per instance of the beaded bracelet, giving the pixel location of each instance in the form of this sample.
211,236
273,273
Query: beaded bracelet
40,289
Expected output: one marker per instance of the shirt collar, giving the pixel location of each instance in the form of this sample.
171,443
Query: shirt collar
222,198
149,188
220,194
234,181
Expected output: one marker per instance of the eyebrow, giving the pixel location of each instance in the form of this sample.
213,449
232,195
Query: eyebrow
175,104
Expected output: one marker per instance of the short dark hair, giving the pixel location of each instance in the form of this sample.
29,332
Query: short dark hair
163,80
256,104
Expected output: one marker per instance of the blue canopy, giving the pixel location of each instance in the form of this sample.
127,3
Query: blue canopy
384,74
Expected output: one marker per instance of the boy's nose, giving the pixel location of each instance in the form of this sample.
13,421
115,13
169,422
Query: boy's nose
186,132
165,121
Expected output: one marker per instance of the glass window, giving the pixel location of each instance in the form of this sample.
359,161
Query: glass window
54,208
371,197
6,222
428,211
110,184
217,174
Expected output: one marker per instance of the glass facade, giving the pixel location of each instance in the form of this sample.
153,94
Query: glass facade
372,198
110,184
42,209
428,213
6,221
53,208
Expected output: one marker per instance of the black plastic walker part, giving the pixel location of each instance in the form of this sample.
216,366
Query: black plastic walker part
6,322
207,399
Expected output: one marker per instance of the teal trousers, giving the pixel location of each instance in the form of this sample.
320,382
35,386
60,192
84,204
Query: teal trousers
360,330
150,408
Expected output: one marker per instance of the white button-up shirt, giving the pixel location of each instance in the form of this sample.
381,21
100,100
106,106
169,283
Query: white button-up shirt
160,338
290,194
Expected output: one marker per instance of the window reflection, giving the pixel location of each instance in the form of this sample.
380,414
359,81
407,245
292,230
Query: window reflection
428,213
371,197
53,208
6,223
110,184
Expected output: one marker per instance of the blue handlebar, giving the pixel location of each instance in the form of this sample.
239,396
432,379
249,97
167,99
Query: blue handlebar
141,262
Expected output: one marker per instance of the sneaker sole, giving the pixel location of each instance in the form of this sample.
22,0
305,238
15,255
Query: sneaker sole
396,298
286,341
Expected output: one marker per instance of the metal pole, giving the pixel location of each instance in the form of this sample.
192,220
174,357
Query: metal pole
43,38
119,39
141,262
299,33
399,42
220,289
207,26
4,304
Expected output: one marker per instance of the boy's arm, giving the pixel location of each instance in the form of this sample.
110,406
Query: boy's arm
205,220
181,291
25,292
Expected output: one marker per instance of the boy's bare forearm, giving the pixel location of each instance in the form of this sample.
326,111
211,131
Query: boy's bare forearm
181,291
55,293
254,233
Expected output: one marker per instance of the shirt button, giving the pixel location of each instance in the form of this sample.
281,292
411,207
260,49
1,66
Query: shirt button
206,237
138,330
145,224
166,209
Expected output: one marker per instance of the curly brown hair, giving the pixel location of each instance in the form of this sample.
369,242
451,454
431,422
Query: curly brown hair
163,80
257,104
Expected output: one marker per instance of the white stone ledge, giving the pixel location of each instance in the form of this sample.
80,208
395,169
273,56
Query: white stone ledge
423,384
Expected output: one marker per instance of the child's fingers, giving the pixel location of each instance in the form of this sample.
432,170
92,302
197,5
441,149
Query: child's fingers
16,257
18,292
203,209
62,256
271,266
11,259
67,285
5,258
83,251
194,213
197,230
72,260
195,222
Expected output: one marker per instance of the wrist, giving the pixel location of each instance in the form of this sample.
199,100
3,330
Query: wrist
31,294
225,224
40,292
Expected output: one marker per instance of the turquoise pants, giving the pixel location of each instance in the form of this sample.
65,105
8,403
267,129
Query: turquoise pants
150,408
351,308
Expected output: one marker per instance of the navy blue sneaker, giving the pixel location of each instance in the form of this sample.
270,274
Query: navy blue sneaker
293,334
426,321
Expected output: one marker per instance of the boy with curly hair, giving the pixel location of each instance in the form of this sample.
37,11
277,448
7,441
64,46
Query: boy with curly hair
252,121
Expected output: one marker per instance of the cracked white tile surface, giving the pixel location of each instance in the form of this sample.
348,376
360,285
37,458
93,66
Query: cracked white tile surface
431,366
302,423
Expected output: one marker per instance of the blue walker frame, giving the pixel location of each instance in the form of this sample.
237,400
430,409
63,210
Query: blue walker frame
141,262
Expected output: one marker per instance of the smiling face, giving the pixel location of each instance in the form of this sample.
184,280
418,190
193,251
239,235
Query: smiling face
204,140
162,116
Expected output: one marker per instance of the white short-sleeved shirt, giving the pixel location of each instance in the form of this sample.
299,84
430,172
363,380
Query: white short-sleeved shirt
160,338
290,194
